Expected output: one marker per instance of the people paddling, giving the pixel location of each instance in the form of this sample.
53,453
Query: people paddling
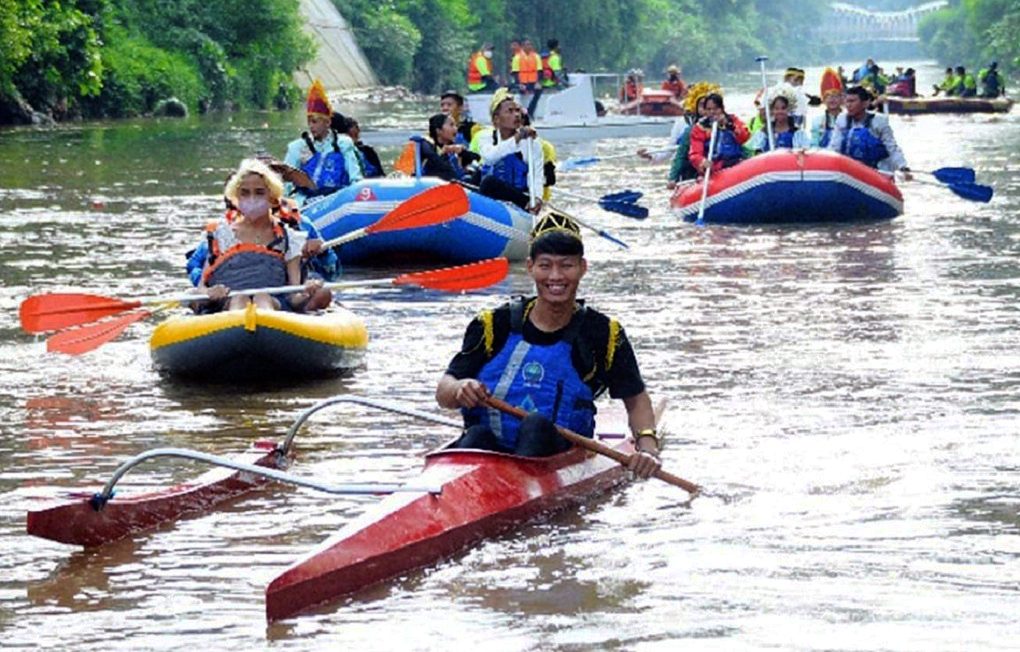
785,134
329,158
441,155
730,135
831,90
866,136
512,165
948,84
551,355
257,245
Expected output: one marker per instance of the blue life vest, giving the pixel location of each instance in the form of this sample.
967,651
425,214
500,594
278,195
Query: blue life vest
328,171
727,149
370,171
538,379
511,170
783,140
827,125
862,145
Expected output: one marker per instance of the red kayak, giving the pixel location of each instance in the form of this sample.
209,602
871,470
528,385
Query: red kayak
483,493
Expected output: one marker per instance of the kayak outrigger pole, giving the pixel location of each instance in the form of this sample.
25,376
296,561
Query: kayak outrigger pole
99,500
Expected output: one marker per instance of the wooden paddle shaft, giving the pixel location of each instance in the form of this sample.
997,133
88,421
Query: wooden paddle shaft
596,446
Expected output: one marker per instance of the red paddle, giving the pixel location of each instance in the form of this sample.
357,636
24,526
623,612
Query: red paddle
50,312
597,447
460,278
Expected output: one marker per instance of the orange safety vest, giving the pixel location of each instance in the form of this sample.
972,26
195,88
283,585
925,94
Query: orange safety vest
474,75
677,87
529,67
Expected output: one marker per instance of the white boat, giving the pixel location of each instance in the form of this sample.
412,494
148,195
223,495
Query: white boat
570,114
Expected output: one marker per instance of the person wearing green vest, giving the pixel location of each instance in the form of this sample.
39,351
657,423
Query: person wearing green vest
991,81
965,84
947,85
552,65
479,70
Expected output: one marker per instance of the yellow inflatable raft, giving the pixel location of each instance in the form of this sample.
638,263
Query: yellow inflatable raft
257,344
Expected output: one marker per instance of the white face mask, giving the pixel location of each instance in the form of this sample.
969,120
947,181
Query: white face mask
488,54
253,206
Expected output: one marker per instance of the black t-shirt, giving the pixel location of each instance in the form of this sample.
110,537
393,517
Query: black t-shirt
622,378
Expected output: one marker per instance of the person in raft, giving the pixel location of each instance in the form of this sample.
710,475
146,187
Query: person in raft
441,155
832,97
867,137
551,355
329,158
782,103
730,135
512,156
257,245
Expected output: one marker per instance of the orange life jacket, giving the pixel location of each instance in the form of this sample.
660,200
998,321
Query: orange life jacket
274,251
474,75
529,66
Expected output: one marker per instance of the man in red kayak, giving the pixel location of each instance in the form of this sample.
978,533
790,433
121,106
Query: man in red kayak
550,355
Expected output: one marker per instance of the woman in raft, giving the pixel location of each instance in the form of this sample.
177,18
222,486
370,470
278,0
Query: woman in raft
785,134
257,244
731,134
441,155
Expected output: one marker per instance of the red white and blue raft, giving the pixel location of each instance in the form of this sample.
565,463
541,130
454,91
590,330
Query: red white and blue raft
489,230
791,186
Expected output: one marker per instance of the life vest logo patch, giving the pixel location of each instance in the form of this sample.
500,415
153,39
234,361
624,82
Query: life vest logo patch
366,194
533,373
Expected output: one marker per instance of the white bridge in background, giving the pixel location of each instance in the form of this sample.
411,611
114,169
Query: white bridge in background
849,23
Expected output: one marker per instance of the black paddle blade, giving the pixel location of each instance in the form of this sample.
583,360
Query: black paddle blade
621,208
624,196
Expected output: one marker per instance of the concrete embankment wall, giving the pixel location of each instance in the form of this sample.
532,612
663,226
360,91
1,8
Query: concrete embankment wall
339,63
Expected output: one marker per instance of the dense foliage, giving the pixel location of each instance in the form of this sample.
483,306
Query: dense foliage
425,43
974,32
97,58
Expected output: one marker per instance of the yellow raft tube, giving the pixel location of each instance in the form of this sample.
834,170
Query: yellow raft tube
254,344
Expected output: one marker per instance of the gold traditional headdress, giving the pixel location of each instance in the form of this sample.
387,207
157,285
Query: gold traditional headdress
500,96
698,91
555,222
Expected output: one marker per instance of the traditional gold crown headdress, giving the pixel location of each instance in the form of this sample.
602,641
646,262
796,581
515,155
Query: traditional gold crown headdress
698,91
553,222
785,91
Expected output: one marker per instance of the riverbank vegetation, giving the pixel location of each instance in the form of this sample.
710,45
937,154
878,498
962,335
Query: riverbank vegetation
973,34
425,44
118,58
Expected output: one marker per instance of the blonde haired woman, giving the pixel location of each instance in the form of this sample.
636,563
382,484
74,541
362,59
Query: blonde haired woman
258,243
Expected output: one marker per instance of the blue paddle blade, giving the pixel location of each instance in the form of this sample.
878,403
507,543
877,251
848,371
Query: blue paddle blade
954,175
624,196
612,239
575,163
972,191
623,208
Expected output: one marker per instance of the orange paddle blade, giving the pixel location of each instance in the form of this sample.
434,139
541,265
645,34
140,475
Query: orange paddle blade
461,278
50,312
89,338
433,206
